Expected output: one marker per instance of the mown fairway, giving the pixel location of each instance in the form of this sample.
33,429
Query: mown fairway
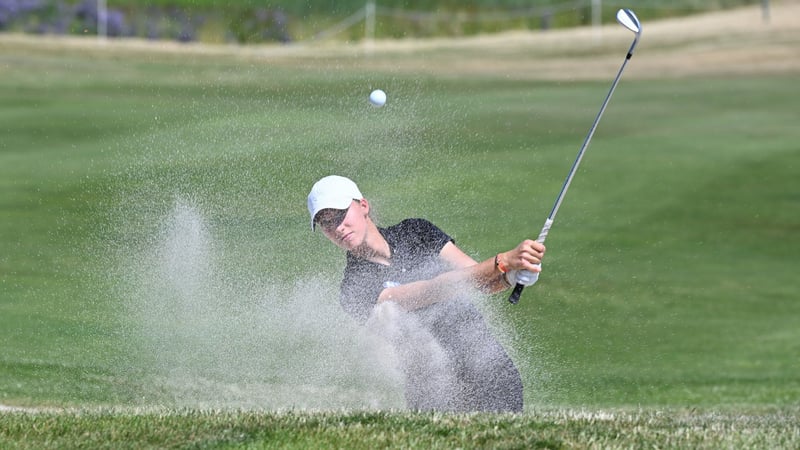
156,262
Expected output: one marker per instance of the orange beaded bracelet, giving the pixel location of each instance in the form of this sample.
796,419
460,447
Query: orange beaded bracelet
500,266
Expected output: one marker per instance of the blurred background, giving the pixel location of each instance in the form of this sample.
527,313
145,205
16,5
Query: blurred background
251,21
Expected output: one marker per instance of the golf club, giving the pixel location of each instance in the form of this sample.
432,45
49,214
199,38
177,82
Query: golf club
627,19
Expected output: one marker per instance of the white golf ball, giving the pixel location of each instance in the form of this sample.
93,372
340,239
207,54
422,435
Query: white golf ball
377,97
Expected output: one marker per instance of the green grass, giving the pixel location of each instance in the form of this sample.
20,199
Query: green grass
669,297
552,429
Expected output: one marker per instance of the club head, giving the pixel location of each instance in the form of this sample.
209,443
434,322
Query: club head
628,19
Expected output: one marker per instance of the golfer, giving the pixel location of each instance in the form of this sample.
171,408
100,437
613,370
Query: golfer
417,267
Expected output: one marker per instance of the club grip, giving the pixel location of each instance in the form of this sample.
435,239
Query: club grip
515,294
545,229
524,278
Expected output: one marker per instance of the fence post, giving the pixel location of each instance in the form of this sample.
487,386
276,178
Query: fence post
369,21
597,18
102,20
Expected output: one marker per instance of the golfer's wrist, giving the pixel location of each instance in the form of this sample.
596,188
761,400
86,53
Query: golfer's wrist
499,263
508,283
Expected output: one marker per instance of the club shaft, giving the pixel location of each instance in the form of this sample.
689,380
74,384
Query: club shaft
517,292
585,145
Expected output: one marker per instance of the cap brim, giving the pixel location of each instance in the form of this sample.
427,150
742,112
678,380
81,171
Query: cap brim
329,203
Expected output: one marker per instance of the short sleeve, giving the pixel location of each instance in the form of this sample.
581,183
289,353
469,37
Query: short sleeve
423,237
415,245
359,292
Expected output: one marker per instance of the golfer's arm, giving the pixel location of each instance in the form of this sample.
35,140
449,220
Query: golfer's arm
422,293
485,275
418,294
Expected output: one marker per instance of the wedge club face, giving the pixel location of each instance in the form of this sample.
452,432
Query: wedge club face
628,19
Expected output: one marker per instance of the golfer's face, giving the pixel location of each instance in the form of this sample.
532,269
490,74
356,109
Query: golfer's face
344,227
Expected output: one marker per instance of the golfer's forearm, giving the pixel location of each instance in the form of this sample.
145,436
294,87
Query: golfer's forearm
420,294
487,278
482,276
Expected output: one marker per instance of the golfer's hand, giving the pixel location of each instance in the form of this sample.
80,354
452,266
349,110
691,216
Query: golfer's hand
522,277
526,256
523,263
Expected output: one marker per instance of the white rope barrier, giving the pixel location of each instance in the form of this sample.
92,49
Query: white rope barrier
354,18
371,10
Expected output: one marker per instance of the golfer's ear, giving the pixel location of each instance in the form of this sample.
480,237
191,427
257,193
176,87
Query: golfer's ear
364,205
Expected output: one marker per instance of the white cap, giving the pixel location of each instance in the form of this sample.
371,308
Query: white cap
333,192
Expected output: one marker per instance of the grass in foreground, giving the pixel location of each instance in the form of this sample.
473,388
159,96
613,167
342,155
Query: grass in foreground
554,429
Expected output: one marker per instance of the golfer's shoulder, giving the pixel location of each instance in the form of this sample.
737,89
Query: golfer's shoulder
413,227
416,232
